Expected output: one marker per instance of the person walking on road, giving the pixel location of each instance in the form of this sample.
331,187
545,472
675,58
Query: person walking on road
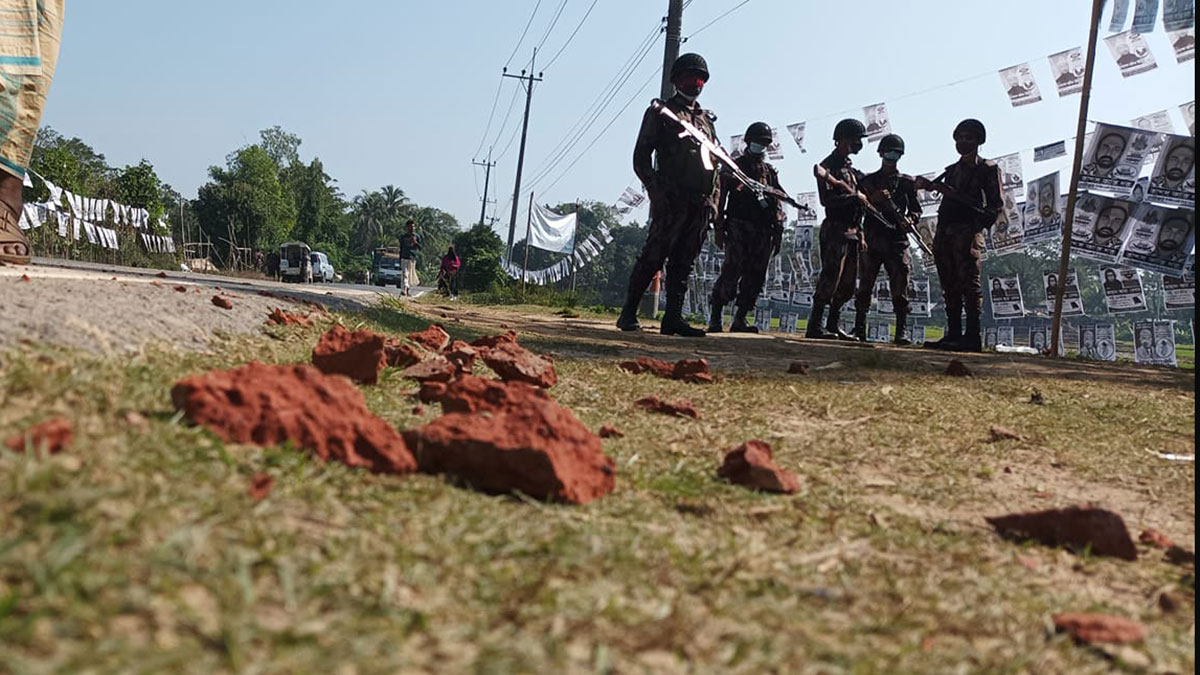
29,44
448,273
410,243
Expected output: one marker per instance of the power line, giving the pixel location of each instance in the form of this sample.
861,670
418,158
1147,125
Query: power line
504,125
553,22
722,16
572,35
488,128
523,34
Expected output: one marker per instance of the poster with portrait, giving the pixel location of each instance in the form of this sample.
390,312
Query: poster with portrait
1188,110
775,149
1154,343
1040,337
926,228
1012,176
1050,151
762,318
918,297
1158,122
1072,304
1020,85
1131,52
1179,292
1007,235
807,213
1067,68
879,332
1120,13
1101,226
1122,289
929,200
990,336
1178,14
1005,336
1145,15
1114,158
1098,342
1043,218
917,335
878,122
1160,239
788,323
1005,293
803,296
883,296
1183,42
797,132
1174,178
737,146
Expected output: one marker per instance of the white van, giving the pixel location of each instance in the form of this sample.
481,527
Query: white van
322,270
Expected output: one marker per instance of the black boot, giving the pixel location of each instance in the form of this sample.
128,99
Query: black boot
902,338
628,320
971,341
739,324
714,319
673,323
859,332
833,324
953,334
815,330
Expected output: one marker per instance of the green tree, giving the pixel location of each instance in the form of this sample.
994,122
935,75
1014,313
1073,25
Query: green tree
480,249
281,146
140,187
245,204
72,164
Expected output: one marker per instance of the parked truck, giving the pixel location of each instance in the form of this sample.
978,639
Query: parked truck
385,268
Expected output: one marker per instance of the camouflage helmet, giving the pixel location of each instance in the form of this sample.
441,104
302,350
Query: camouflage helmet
689,61
849,128
759,132
891,142
974,126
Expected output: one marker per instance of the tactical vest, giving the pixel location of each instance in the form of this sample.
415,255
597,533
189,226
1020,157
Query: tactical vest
680,162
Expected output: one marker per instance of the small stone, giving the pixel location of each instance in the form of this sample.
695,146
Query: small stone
609,431
799,368
645,364
1078,527
278,317
751,465
461,355
221,302
161,275
418,410
25,277
679,408
52,435
1100,628
180,289
1169,602
1036,398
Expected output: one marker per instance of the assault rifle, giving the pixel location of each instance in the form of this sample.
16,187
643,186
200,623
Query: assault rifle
904,225
949,192
711,150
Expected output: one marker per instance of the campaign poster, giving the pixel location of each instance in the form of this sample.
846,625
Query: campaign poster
1188,110
1183,43
926,229
883,296
918,297
1098,342
1178,14
1122,290
1131,52
1043,217
1050,151
1006,298
1020,85
1159,123
1154,343
807,213
929,200
1012,176
1160,240
1179,292
1101,226
878,122
1072,304
1008,234
990,335
1114,158
797,132
1174,179
917,335
1067,68
1005,336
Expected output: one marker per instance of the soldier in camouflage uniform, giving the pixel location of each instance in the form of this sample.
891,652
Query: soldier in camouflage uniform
841,234
681,181
972,201
895,196
750,230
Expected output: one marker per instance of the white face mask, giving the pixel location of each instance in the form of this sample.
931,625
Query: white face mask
756,148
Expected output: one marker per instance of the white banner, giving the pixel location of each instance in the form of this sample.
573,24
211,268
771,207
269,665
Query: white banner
552,232
1012,175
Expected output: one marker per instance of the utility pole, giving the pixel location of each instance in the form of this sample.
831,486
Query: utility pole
674,39
487,175
528,81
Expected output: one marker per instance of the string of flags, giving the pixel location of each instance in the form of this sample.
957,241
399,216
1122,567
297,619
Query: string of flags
77,220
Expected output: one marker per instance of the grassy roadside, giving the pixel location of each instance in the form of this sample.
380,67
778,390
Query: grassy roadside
139,549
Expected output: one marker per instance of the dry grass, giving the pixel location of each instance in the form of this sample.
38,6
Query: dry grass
139,550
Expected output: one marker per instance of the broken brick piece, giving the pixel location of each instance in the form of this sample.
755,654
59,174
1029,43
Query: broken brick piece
679,408
692,370
270,405
799,368
490,341
998,433
161,275
278,317
751,465
462,355
433,369
538,448
180,289
358,355
221,302
1100,628
432,338
471,394
609,431
645,364
400,354
260,486
1078,527
1155,538
53,435
513,362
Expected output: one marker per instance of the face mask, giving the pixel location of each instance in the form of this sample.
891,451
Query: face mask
756,148
856,147
892,156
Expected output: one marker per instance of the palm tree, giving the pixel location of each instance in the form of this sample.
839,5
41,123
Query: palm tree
393,202
370,219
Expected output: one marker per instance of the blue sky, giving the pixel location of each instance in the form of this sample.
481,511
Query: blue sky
399,91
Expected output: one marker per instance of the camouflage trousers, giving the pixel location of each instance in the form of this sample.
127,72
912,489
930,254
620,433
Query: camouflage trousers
892,255
747,255
678,226
958,254
839,265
